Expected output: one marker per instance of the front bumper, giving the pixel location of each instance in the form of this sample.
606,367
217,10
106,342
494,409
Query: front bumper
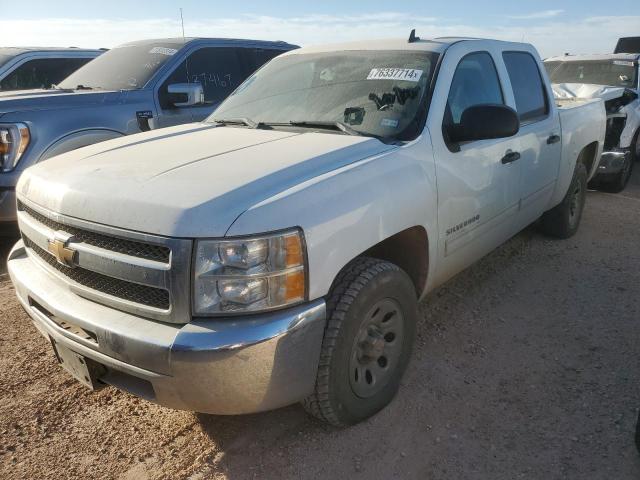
222,366
612,162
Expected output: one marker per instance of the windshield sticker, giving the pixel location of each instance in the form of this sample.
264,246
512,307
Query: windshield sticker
407,74
623,63
163,50
389,122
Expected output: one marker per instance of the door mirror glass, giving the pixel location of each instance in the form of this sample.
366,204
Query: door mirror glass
482,122
185,94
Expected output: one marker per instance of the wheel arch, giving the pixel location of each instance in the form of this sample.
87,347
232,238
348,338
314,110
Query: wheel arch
79,139
588,156
408,249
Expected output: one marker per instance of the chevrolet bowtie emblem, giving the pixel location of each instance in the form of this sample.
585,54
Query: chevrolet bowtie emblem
59,249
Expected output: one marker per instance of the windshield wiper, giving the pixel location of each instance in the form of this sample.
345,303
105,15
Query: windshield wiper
339,126
83,87
237,121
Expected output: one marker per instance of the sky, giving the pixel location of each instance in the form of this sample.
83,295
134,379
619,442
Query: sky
554,27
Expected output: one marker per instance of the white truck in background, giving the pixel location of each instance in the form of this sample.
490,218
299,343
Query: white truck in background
276,252
613,78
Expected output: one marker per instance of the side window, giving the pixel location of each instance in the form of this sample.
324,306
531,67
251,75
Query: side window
475,82
257,57
218,69
531,99
41,73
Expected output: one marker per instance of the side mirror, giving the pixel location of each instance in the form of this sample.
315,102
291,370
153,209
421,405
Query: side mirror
185,94
482,122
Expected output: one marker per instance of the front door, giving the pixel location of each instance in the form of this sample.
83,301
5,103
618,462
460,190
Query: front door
478,182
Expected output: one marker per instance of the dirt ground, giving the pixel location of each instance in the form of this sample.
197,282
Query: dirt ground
527,365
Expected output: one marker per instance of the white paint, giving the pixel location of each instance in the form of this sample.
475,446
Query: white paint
347,193
581,91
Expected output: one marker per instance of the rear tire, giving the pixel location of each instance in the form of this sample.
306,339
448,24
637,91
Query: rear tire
563,220
371,319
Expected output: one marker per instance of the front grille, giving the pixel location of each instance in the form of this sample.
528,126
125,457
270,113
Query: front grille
145,295
114,244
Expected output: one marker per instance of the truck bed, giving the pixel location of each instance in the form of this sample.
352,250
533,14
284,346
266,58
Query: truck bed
583,121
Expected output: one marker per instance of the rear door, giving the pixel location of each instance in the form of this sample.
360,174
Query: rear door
538,140
478,192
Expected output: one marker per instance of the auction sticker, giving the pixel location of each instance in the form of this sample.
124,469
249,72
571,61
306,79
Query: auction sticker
390,73
163,50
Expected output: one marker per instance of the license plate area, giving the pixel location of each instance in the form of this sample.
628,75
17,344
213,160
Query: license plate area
83,369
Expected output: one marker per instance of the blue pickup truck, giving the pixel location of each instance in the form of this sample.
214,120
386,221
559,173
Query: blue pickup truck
132,88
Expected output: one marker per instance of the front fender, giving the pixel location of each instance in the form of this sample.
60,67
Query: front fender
346,211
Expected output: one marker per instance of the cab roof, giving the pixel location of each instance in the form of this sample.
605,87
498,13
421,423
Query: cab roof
221,41
15,51
437,45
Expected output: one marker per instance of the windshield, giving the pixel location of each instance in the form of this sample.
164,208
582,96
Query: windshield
376,93
616,73
128,67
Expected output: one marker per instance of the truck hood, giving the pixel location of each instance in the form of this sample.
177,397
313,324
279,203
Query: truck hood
28,100
186,181
586,90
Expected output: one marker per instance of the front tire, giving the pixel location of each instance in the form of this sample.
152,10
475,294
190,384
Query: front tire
371,319
563,220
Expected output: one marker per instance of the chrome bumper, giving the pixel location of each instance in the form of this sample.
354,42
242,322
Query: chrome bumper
223,366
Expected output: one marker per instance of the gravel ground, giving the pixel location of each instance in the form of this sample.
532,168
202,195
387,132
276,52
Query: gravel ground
526,366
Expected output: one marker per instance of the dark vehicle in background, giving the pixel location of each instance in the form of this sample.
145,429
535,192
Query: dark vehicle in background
628,45
25,68
134,87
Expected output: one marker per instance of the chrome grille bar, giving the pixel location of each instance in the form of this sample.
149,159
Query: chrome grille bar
112,266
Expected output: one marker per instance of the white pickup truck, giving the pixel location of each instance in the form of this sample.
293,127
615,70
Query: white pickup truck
276,252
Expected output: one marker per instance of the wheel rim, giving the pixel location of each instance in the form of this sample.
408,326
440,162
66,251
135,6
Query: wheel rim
377,348
575,205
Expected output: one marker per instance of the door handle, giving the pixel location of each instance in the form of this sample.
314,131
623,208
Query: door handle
553,139
510,157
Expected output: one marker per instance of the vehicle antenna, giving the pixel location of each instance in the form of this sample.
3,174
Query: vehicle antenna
184,40
182,22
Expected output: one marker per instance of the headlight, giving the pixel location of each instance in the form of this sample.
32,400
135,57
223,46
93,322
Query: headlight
14,140
249,274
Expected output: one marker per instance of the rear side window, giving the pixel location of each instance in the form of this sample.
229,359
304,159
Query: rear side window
475,82
528,89
218,69
41,73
